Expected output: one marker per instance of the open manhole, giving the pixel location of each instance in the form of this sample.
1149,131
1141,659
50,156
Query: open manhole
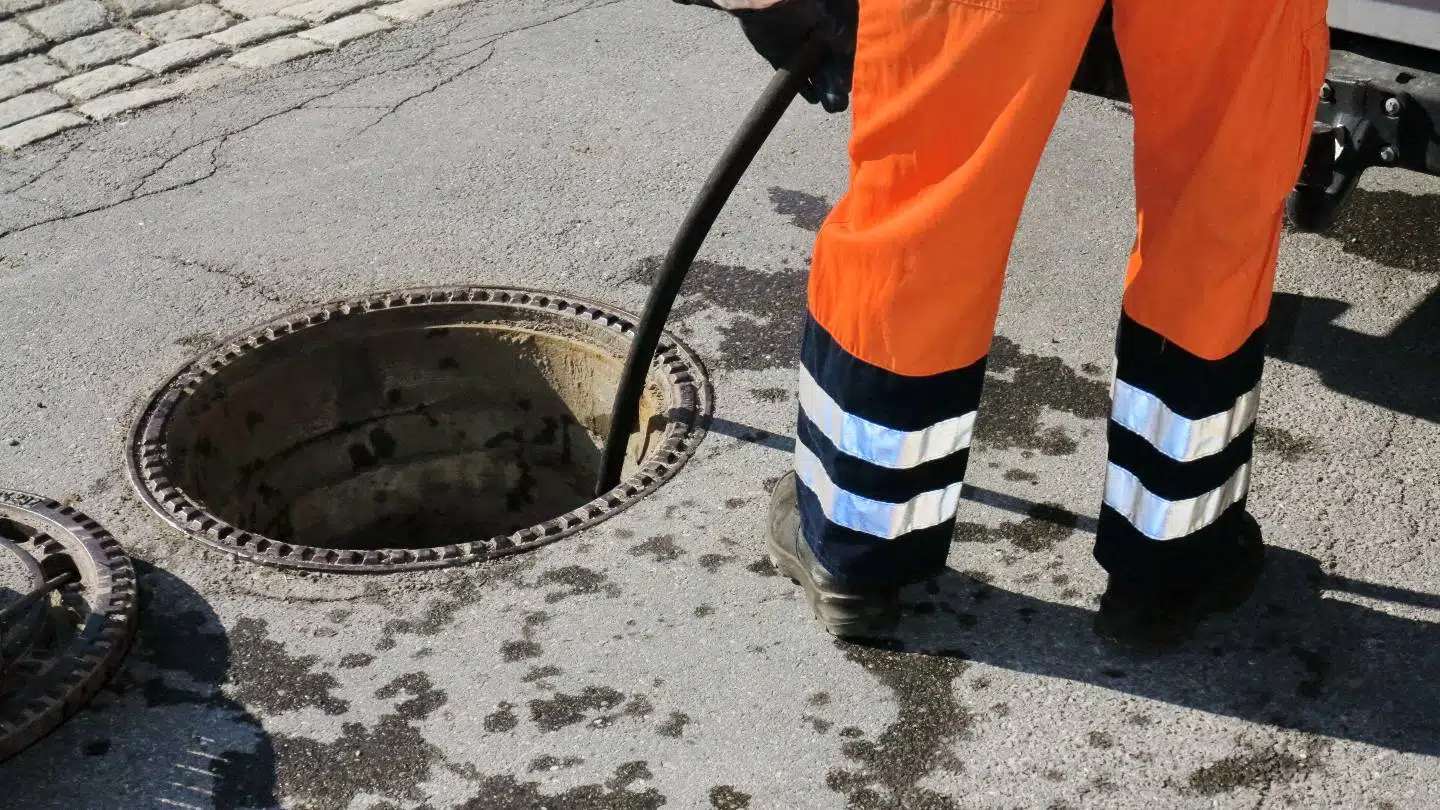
67,614
414,429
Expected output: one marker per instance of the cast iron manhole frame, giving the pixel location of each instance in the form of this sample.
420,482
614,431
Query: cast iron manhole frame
61,684
686,424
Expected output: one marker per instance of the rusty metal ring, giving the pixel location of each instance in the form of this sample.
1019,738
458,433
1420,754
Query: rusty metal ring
45,686
688,413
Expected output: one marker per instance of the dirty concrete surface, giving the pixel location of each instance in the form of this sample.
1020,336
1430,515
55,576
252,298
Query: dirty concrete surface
655,660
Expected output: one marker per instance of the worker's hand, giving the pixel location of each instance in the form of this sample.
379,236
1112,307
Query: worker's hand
777,29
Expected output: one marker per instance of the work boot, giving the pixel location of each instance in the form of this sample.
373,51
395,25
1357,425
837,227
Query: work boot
844,612
1155,614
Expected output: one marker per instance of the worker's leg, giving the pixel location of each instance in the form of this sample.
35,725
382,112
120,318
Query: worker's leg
1224,93
953,103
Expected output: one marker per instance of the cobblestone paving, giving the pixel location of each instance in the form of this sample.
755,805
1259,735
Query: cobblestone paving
66,63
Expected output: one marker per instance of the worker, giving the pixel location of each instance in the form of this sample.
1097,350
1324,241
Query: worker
953,101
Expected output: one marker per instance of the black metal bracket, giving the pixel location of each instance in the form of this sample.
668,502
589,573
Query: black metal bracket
1379,107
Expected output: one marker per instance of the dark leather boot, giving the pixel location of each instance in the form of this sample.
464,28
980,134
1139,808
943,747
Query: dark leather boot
1157,614
844,612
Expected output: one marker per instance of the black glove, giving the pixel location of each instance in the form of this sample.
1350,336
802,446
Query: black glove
778,30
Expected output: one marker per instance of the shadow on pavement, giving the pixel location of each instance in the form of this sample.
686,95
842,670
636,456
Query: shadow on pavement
1295,657
161,733
1392,228
1399,371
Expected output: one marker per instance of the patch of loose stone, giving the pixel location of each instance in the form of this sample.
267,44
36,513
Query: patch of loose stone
254,9
276,51
346,29
412,10
17,40
319,11
68,20
28,132
96,50
112,105
140,8
256,30
178,54
30,73
99,81
9,7
185,23
57,54
30,105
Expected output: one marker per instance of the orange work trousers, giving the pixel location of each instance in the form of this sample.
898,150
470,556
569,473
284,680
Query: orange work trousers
953,101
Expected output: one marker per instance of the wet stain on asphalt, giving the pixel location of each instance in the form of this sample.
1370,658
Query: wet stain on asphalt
712,562
96,748
567,710
509,793
628,774
578,580
638,706
502,719
892,766
546,762
1252,768
674,725
726,797
763,567
1282,443
1020,386
1046,525
770,394
769,310
267,677
539,674
439,613
820,724
806,211
424,697
356,660
526,646
519,650
661,548
396,760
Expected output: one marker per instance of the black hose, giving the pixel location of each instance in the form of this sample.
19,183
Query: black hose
763,117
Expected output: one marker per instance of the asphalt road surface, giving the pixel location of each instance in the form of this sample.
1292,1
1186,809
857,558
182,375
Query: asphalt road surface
655,659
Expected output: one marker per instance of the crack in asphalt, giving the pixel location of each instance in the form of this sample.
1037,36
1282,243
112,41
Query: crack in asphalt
217,142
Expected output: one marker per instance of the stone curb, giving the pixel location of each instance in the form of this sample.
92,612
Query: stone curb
62,67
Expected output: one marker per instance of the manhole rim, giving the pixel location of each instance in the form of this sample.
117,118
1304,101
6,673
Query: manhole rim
145,454
99,648
29,624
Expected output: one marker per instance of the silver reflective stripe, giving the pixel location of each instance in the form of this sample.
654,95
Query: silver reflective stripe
1172,434
1159,519
877,444
878,518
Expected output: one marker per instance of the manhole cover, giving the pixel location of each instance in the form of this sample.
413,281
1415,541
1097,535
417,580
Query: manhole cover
86,615
415,429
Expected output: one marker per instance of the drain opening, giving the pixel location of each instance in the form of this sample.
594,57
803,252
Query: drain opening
67,613
416,429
